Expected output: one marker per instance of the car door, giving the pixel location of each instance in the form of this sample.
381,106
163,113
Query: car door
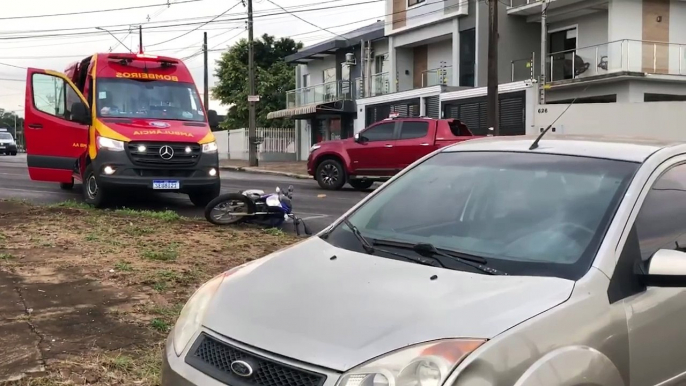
54,142
414,141
372,154
655,315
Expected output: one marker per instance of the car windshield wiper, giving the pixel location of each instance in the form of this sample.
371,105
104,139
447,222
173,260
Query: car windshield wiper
370,249
429,250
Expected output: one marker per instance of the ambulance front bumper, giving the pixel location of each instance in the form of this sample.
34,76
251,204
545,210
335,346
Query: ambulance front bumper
116,169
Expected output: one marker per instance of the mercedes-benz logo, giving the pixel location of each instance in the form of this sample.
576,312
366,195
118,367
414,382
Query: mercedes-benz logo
166,152
241,368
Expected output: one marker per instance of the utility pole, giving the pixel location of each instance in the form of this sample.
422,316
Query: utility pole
492,99
544,38
140,39
206,87
252,131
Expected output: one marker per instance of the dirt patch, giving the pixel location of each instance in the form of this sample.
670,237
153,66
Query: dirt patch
89,296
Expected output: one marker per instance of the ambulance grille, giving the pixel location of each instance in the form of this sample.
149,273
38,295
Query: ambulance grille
151,153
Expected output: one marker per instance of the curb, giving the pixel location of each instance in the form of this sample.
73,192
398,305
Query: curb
262,171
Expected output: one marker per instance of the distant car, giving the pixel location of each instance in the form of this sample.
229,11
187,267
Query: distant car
381,150
492,262
7,144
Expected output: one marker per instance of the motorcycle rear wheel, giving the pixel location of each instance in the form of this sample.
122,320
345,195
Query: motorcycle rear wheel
219,210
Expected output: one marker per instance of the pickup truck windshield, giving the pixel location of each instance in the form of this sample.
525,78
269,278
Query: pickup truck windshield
525,213
148,99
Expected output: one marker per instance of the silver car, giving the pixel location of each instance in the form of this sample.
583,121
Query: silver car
483,264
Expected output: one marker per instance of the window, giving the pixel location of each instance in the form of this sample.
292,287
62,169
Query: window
648,97
48,94
306,80
411,130
528,214
661,223
380,132
467,57
411,3
381,64
329,75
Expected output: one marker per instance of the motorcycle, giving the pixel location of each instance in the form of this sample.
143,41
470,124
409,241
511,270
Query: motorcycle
253,205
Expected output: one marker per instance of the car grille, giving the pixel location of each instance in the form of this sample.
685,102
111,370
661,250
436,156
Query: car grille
152,156
214,358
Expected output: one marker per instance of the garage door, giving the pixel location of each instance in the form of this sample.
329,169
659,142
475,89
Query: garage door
473,113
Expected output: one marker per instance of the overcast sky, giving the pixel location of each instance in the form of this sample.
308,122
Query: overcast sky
56,53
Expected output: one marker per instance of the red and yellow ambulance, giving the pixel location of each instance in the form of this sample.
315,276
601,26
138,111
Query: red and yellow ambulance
121,121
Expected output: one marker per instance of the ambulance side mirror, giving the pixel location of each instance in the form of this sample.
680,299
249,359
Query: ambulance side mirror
213,119
79,113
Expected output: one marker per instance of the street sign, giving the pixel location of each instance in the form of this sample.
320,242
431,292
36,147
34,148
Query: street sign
253,98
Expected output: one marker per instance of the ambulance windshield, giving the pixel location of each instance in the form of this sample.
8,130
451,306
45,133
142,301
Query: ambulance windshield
148,99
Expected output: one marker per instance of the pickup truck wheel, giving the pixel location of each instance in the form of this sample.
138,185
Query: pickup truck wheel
361,184
330,175
92,193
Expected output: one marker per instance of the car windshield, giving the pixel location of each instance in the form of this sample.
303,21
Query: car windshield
6,136
151,99
526,213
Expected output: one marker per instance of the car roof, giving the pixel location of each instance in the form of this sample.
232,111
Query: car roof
633,149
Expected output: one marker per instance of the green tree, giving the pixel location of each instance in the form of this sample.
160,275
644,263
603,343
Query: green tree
273,77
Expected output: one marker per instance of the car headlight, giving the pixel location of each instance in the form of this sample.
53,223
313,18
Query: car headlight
427,364
314,147
209,147
110,144
191,316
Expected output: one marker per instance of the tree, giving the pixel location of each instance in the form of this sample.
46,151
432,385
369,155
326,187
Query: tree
273,78
7,119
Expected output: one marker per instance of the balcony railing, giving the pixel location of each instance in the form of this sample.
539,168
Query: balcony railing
380,85
521,3
436,76
523,69
321,93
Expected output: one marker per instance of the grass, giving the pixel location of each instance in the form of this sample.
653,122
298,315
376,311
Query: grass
167,215
71,204
167,253
160,325
123,266
92,237
6,256
274,232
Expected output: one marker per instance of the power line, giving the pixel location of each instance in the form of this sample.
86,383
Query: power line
93,11
210,21
310,23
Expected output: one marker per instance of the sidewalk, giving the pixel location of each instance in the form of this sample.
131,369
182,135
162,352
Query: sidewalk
288,169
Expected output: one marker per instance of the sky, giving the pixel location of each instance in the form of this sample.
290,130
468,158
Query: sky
23,45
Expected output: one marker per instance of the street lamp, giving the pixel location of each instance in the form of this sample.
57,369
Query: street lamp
120,42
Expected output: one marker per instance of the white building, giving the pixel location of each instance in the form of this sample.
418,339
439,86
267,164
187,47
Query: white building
433,61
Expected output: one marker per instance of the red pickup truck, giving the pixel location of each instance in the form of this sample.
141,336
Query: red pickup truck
381,150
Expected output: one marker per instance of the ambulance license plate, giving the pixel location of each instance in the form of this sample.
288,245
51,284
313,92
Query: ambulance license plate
165,185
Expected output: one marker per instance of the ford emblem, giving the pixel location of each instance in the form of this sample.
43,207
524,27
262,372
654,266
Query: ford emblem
241,368
162,125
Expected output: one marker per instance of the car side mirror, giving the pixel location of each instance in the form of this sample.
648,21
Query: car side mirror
79,113
359,138
667,268
212,119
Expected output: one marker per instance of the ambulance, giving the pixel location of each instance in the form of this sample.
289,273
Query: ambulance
121,121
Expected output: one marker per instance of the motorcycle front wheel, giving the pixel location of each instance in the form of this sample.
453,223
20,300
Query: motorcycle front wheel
227,209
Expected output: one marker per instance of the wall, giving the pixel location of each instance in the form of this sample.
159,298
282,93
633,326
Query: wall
652,120
404,62
440,51
625,21
400,17
380,47
222,138
677,34
621,89
316,67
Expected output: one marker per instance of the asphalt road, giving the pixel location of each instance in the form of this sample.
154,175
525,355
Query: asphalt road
318,207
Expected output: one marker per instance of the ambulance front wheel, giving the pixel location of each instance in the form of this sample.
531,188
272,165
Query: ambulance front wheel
93,194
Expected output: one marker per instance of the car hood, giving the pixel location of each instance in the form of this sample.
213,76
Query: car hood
157,129
337,313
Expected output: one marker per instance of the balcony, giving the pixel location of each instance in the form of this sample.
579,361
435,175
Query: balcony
524,69
437,76
380,85
533,7
340,90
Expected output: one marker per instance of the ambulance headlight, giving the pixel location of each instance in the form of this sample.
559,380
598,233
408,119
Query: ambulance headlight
209,147
110,144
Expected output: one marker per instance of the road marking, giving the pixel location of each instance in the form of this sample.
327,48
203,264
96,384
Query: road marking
314,217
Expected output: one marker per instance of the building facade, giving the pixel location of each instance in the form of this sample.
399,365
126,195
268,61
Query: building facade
432,60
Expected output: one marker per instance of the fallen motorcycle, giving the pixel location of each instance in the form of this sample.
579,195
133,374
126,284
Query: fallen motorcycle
271,210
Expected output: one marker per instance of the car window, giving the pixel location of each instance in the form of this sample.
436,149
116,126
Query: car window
527,213
411,130
661,222
380,132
